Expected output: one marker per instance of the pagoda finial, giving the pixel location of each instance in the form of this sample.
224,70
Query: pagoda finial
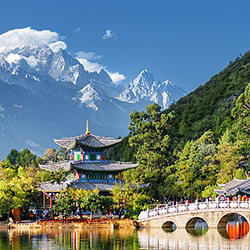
87,130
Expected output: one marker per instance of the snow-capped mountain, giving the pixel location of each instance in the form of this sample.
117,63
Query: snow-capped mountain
144,87
46,94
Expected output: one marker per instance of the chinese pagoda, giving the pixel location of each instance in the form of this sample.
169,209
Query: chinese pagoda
234,187
87,166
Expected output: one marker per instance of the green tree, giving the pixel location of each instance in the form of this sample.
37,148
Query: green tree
61,154
91,201
65,204
195,166
13,157
150,136
228,157
129,197
17,187
57,175
27,159
24,158
209,192
240,174
242,111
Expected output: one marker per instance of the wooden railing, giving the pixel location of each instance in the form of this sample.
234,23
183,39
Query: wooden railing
207,205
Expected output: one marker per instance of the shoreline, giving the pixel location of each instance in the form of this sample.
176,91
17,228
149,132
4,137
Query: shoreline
99,223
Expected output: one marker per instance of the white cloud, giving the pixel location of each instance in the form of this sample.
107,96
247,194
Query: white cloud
78,31
56,46
116,77
88,55
28,37
84,58
90,66
108,34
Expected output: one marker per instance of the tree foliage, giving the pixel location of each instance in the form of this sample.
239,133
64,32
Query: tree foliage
72,199
128,197
150,136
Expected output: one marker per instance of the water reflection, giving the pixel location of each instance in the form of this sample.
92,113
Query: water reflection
181,239
199,229
85,238
237,228
107,238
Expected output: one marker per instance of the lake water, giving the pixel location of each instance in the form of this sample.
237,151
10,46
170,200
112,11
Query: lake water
103,238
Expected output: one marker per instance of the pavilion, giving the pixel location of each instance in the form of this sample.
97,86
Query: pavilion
234,187
88,166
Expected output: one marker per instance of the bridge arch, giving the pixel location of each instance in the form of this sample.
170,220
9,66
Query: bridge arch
190,223
169,223
224,218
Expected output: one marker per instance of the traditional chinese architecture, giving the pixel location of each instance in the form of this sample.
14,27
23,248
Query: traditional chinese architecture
234,187
88,165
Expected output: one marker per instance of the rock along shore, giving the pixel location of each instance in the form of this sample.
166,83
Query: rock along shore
107,223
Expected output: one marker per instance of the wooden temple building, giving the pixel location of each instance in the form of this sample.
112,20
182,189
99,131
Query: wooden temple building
88,166
234,187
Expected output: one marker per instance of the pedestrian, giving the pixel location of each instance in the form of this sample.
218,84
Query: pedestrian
35,214
31,215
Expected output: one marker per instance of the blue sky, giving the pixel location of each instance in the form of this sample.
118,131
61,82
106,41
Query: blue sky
186,42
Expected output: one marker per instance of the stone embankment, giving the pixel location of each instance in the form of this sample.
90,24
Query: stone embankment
108,223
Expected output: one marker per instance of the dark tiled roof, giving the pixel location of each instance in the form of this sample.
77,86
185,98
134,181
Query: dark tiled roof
104,166
56,166
89,166
233,187
89,141
102,186
52,187
231,183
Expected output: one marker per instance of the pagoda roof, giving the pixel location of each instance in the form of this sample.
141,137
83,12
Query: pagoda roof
52,187
87,140
104,166
89,166
49,187
234,186
102,186
56,166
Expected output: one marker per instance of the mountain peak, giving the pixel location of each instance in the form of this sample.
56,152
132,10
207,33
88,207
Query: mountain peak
144,87
104,76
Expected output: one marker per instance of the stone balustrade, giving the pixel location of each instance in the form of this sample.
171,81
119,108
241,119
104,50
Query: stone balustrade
214,213
161,210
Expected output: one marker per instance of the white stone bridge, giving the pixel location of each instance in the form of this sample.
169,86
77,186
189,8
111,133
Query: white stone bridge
215,214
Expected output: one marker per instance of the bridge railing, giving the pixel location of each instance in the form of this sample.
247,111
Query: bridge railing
162,210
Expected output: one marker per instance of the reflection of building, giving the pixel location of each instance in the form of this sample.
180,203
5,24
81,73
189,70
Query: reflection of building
234,187
237,230
88,165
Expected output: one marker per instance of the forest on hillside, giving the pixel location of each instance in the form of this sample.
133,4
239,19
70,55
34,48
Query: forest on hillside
200,141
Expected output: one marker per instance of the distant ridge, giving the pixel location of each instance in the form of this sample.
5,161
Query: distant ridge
209,106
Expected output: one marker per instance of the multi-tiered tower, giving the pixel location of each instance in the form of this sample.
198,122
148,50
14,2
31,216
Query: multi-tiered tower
88,165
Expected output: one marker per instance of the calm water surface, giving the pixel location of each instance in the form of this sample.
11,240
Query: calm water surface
95,238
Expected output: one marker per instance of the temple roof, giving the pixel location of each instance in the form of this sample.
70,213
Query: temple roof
104,166
52,187
89,166
87,140
56,166
234,186
102,186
